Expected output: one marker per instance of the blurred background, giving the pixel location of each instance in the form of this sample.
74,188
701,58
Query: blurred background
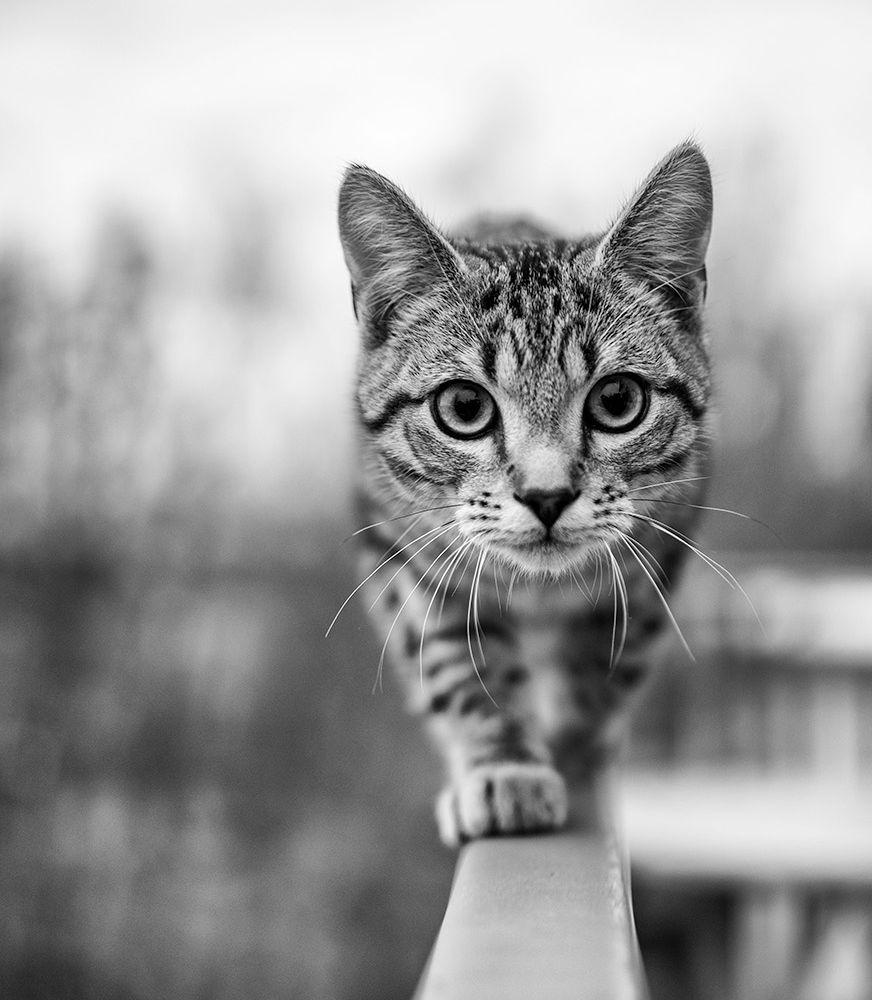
202,798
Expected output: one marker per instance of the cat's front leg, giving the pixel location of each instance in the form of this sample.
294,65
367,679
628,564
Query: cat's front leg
500,776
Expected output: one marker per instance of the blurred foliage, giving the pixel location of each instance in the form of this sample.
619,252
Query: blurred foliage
194,782
194,789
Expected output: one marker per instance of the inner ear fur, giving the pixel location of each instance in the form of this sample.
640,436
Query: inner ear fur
662,235
393,252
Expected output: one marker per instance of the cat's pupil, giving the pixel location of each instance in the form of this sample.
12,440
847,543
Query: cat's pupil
467,405
616,397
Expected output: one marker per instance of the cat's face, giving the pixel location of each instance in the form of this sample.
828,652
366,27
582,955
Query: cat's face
526,391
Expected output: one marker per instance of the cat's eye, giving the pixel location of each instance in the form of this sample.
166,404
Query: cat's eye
617,403
463,409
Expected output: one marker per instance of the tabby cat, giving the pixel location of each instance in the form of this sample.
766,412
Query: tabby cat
532,419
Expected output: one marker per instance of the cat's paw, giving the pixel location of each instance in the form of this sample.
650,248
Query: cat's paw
501,798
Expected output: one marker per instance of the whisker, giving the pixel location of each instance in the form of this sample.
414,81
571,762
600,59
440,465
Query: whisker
630,543
599,575
468,550
668,482
383,562
472,611
457,585
712,563
476,586
581,584
448,568
679,536
400,569
381,659
469,616
496,585
399,517
653,562
619,588
715,510
410,527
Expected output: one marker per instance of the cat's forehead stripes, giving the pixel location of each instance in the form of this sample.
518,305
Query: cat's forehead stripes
549,324
538,306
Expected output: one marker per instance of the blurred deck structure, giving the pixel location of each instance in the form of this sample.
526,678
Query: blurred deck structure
767,797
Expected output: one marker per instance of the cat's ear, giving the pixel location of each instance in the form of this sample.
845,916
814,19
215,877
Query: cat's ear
662,235
393,252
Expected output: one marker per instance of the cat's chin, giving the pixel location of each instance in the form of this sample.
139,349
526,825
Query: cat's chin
547,558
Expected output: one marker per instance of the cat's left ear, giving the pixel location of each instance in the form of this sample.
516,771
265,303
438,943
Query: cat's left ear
663,233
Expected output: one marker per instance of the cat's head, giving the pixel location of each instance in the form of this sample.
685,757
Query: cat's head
532,383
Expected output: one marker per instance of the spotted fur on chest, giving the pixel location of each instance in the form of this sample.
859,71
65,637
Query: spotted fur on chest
532,430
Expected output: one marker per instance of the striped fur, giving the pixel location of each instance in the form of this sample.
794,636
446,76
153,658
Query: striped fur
521,681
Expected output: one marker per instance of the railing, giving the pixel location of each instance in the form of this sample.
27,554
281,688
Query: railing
544,917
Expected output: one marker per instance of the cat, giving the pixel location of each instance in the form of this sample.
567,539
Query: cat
532,418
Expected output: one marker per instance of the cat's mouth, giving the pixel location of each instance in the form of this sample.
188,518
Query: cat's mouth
549,554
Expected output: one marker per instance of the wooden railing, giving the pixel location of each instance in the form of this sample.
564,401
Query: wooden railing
544,917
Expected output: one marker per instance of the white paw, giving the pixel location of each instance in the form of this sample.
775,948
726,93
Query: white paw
501,798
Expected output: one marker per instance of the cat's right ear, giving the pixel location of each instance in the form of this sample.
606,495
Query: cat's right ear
393,252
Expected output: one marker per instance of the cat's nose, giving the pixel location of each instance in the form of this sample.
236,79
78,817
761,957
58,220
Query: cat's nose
547,505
